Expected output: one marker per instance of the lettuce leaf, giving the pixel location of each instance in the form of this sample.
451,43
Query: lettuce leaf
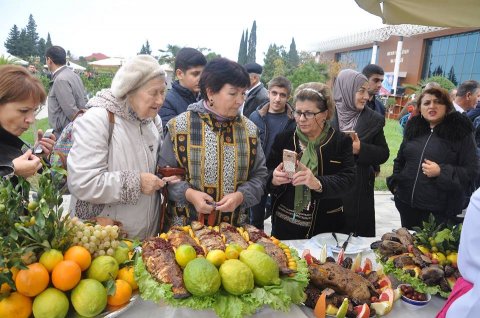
225,305
417,283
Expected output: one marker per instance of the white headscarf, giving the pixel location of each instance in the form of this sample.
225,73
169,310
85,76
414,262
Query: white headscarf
346,86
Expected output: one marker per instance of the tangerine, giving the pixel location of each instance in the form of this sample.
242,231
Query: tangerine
79,255
127,274
5,287
16,305
66,275
33,280
123,292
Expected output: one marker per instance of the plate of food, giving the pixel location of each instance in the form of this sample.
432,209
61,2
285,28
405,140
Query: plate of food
355,244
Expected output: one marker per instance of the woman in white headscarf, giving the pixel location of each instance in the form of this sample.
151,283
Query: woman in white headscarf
370,148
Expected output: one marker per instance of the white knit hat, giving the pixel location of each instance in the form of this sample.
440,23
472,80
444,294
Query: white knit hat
133,74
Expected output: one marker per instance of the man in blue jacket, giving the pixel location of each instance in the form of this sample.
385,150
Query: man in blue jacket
271,118
189,64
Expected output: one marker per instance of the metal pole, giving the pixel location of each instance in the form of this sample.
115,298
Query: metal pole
397,64
374,53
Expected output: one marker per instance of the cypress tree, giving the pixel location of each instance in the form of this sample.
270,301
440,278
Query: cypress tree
293,58
240,48
41,48
32,37
12,41
147,48
252,44
49,42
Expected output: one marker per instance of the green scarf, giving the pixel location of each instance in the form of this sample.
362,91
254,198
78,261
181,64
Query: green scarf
310,160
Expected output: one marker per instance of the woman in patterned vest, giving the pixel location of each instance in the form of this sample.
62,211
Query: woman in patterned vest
219,149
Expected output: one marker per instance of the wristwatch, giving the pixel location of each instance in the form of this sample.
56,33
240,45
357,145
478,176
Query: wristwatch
320,187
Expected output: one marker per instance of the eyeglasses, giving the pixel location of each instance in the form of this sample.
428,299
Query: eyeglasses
307,114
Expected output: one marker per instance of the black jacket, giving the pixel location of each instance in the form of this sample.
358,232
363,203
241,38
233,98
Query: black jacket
451,145
10,148
258,96
359,204
336,172
176,102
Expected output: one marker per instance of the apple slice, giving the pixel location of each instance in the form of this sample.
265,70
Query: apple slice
342,310
357,263
381,308
340,257
362,311
307,256
323,254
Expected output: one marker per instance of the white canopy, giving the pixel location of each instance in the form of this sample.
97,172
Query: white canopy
75,67
111,61
16,60
440,13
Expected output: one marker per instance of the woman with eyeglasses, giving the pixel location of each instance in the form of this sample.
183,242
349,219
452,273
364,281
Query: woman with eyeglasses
310,202
370,148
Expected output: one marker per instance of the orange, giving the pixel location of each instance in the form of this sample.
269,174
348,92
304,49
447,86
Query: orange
16,305
79,255
5,287
32,281
123,292
66,275
127,274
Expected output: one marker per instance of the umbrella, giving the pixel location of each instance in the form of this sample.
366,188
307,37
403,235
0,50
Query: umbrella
441,13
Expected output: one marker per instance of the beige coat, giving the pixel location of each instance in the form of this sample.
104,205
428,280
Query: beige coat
104,179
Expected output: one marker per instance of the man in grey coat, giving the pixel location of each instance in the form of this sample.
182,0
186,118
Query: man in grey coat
67,93
257,94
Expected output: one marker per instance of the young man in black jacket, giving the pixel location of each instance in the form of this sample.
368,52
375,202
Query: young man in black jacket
189,64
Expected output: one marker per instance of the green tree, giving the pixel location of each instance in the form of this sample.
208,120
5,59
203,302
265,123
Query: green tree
168,55
271,65
242,50
12,41
23,45
293,58
252,44
32,37
49,42
310,71
41,48
145,49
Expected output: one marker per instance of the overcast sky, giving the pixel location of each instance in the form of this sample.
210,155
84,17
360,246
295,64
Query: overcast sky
120,27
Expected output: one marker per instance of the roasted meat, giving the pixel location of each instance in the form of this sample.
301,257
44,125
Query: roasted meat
232,236
179,237
272,250
342,280
159,259
208,238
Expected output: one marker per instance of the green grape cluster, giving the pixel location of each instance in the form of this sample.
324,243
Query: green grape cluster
97,239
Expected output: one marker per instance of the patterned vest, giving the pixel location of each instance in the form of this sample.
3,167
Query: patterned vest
217,157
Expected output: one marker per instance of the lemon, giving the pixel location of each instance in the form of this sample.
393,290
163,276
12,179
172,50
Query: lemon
184,254
232,252
51,303
256,247
216,257
89,298
51,258
103,268
201,277
264,268
237,278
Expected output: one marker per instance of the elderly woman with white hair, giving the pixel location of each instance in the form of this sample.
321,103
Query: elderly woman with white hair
111,165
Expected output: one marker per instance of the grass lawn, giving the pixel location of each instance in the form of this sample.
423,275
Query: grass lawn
393,134
29,135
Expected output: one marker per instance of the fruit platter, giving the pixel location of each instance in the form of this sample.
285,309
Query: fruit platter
234,271
347,287
426,259
52,265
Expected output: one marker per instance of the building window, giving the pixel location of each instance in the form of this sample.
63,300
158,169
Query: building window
456,57
357,59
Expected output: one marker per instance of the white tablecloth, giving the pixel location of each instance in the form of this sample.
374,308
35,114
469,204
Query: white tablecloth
146,309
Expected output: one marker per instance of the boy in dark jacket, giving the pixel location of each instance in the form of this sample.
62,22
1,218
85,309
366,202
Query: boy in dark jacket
272,118
189,64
